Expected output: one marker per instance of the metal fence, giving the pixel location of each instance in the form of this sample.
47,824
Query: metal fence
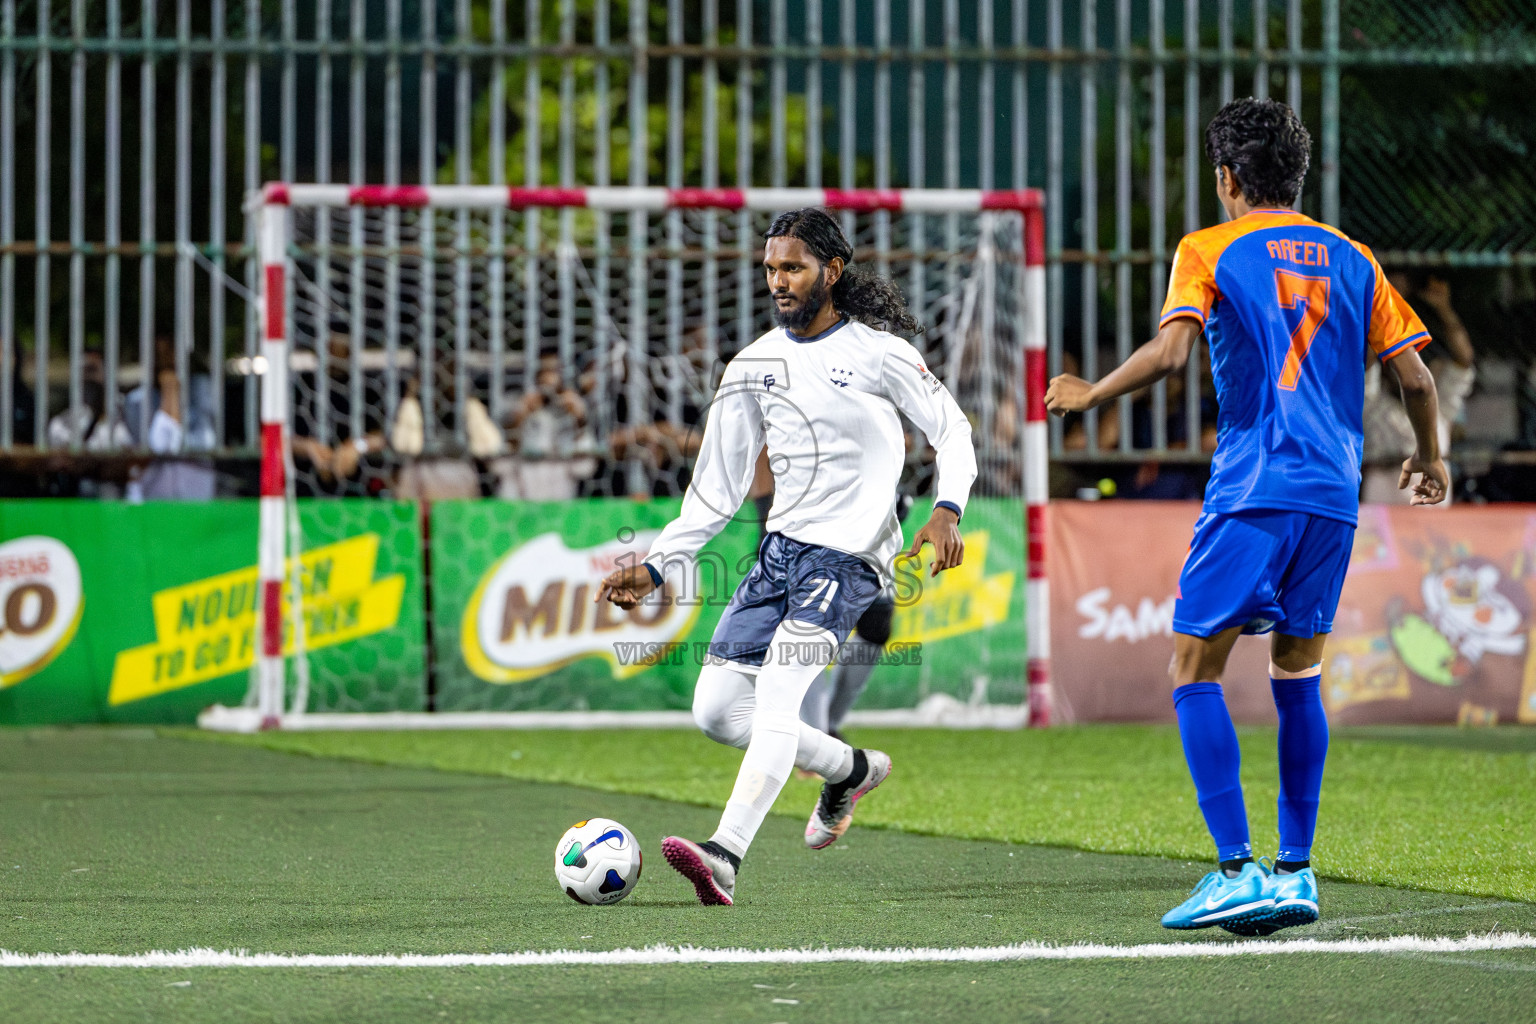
129,130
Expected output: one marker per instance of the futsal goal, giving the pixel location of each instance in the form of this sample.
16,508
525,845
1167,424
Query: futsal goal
541,344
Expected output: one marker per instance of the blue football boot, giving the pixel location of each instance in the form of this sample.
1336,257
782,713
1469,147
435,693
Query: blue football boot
1224,901
1295,895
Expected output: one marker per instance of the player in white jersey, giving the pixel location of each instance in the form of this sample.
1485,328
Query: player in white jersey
824,392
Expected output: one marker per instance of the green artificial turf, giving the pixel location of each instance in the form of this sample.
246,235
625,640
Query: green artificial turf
1429,808
128,840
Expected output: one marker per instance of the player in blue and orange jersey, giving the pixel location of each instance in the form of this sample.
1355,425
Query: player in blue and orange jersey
1291,309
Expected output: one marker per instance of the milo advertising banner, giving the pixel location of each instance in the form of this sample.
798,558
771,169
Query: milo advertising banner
147,613
516,627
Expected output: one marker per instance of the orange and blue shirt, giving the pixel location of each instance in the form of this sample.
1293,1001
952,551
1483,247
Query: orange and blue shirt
1290,307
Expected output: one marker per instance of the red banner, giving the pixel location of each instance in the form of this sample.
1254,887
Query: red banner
1435,623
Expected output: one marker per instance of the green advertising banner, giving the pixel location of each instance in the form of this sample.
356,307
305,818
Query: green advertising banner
515,626
147,613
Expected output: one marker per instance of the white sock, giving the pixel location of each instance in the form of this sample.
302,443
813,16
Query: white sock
795,657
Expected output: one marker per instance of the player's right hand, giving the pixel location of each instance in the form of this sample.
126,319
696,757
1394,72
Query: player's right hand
1067,393
625,587
1433,480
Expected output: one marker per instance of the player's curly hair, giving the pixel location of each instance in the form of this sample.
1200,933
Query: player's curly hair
858,294
1266,146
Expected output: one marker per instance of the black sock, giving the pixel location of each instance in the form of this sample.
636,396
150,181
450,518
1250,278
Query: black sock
855,775
1230,868
1290,867
720,851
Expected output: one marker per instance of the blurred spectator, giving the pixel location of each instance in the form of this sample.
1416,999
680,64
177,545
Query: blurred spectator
660,444
86,427
1388,434
554,441
86,424
335,466
429,476
180,421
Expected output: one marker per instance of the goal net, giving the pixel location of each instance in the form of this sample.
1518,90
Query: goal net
449,344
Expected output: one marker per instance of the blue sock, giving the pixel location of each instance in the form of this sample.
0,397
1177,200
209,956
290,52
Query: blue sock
1210,747
1303,747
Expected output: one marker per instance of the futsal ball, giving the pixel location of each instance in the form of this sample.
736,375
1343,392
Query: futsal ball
597,861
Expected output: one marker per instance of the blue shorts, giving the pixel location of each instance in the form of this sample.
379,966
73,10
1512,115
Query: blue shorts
824,588
1263,569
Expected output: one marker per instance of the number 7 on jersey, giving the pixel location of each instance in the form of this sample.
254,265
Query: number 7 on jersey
1312,294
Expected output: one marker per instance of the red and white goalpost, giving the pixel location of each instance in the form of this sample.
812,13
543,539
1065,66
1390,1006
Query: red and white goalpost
275,207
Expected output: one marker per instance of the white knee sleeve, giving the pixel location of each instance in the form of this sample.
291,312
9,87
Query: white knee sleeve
723,704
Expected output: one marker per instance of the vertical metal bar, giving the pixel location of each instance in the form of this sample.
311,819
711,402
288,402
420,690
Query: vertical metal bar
1261,48
1331,112
1224,41
147,221
497,271
463,159
883,131
112,213
8,224
1157,190
564,269
813,95
1293,55
1020,109
322,312
251,143
288,100
986,93
847,109
426,174
744,239
357,174
392,268
987,348
1089,161
1123,205
674,221
532,176
917,158
1193,170
182,335
711,179
778,35
1055,203
42,183
638,237
601,173
954,342
218,157
76,218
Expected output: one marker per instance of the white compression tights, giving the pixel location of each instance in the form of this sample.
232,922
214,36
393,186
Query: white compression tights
763,718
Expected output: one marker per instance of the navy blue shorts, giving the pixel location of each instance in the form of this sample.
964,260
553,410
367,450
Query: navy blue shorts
806,582
1263,569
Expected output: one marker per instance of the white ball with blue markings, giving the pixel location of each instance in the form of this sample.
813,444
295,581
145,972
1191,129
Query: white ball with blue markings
597,861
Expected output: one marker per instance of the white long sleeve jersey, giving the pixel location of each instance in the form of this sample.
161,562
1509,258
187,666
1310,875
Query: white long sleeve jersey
827,408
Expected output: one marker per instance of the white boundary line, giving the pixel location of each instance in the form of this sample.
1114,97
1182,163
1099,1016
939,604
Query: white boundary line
667,955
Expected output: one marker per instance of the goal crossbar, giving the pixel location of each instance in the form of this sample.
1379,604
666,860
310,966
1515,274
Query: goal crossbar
269,207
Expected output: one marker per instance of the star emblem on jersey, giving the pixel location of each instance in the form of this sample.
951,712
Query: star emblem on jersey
842,378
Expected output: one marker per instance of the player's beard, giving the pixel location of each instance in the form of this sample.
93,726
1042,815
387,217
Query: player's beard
797,318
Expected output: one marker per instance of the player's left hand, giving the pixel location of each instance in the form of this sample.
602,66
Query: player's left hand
943,532
1069,394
